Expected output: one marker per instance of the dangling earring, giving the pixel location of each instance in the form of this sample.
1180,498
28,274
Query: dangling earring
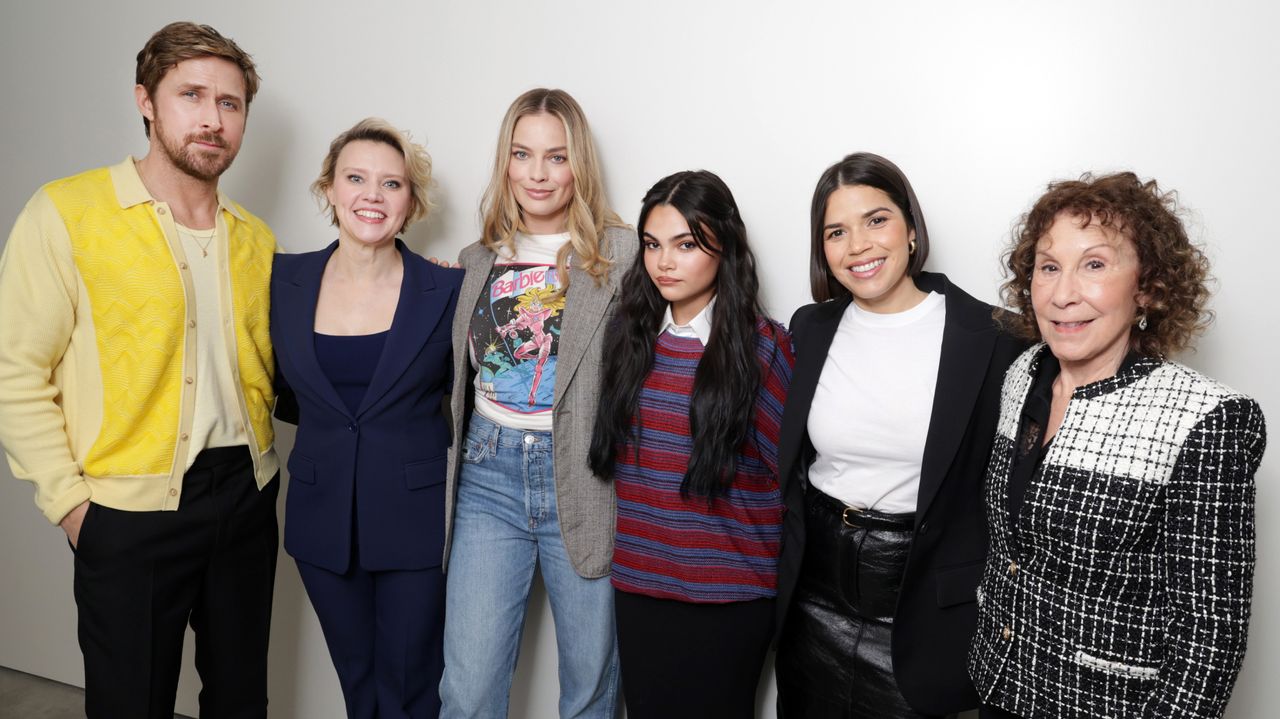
1142,321
911,247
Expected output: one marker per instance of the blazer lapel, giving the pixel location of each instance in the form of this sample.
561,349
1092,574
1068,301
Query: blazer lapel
418,312
811,356
967,342
299,331
585,307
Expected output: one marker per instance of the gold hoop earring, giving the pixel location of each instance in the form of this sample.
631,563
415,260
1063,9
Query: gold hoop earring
911,247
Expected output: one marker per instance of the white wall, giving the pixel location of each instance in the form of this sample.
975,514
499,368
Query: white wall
980,102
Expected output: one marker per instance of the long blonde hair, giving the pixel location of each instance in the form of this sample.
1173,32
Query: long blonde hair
589,212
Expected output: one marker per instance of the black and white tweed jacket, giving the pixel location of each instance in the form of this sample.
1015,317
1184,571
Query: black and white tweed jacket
1125,591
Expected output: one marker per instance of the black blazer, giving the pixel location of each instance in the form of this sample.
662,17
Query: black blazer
936,613
395,444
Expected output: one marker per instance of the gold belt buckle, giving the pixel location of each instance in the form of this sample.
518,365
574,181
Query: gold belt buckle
844,516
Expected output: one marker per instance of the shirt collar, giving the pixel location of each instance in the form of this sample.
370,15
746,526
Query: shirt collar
699,326
130,191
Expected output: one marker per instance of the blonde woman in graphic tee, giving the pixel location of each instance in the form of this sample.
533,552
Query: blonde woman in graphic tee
528,337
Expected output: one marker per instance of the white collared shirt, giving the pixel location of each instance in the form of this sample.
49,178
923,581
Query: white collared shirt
699,326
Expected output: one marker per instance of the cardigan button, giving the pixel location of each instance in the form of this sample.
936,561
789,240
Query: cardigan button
173,492
1006,634
160,210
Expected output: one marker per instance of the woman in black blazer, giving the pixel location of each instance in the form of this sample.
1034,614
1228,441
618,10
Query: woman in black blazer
363,348
885,438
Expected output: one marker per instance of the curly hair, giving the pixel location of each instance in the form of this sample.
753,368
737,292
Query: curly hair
1173,272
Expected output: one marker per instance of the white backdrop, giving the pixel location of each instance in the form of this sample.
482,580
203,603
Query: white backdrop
979,102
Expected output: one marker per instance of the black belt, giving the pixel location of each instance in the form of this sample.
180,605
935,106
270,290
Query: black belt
858,517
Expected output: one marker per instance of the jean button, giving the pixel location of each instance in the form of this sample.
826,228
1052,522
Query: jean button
530,439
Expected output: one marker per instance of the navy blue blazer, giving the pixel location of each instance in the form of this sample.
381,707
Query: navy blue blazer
389,456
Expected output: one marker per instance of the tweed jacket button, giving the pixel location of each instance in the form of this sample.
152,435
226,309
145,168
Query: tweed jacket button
1006,634
1013,569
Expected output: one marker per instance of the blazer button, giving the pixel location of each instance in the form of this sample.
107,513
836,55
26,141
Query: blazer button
351,426
1013,569
924,528
1006,634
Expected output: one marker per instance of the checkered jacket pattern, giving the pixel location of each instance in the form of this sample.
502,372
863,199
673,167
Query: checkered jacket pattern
1122,588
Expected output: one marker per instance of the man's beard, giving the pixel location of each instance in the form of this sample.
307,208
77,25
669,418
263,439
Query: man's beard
203,166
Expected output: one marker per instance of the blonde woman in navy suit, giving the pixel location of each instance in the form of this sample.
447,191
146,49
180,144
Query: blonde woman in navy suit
362,339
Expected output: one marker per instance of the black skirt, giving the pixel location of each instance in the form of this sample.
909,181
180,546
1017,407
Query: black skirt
834,657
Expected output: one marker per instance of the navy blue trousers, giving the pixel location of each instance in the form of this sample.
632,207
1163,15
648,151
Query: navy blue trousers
385,632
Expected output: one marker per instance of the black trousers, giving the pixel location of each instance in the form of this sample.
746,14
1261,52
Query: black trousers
141,577
681,659
835,656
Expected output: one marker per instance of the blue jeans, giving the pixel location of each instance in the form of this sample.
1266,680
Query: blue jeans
505,524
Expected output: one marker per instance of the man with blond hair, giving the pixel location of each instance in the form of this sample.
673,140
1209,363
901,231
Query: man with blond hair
135,391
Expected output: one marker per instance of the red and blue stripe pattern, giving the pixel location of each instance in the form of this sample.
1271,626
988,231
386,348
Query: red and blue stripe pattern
683,548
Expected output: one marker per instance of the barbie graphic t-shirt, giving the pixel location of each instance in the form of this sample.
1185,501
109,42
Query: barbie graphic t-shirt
515,335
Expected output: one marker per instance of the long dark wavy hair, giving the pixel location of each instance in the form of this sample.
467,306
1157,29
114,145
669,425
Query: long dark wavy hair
728,377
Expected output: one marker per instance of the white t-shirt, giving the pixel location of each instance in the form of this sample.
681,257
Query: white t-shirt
514,335
870,413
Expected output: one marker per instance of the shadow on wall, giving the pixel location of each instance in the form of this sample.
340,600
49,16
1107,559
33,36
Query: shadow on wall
256,180
430,235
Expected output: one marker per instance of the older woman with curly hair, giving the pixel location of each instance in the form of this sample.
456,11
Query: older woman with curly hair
1120,488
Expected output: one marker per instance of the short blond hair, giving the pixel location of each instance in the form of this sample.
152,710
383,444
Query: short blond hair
417,166
179,41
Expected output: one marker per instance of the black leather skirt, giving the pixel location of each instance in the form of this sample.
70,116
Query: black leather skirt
834,657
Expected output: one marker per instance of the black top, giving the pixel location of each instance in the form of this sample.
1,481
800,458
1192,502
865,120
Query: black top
348,361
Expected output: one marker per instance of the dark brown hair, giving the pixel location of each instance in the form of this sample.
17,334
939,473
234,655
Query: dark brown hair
1173,274
180,41
861,168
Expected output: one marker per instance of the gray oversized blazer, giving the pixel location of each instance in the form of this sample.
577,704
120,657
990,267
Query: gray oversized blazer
586,503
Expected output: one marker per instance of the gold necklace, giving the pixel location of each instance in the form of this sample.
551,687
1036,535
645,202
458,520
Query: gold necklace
204,246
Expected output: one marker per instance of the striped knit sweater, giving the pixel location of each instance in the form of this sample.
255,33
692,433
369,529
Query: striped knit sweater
675,547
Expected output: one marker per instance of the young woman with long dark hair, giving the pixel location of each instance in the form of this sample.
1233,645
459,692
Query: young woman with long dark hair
689,432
